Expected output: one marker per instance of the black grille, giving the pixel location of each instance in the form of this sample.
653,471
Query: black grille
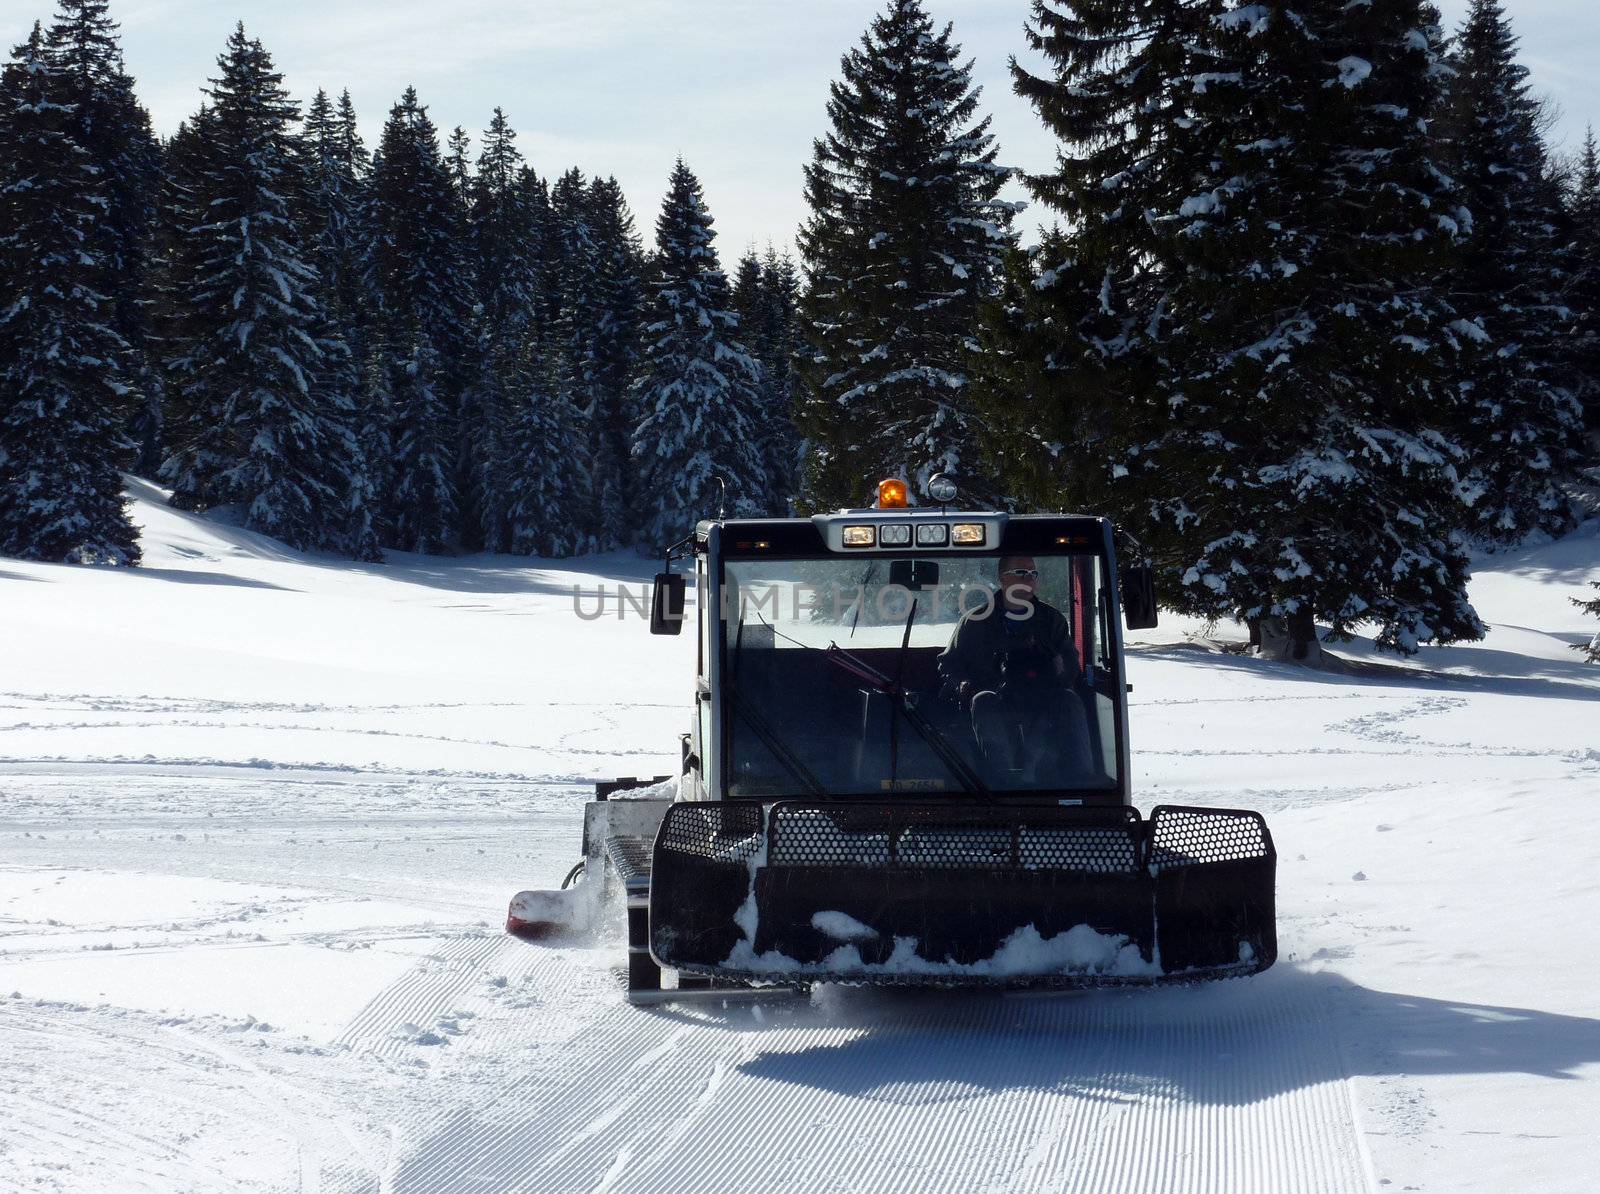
1185,837
725,831
935,837
1079,848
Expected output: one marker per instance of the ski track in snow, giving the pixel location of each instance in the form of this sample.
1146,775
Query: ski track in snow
1169,1090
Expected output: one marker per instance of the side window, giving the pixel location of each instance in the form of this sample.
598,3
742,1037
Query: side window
700,620
1103,627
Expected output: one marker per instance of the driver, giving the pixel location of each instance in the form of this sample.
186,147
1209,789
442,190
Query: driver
1007,663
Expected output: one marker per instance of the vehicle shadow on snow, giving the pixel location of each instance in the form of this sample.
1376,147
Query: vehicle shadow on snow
1231,1043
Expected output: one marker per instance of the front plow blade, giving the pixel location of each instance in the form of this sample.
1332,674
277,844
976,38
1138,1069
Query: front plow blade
962,894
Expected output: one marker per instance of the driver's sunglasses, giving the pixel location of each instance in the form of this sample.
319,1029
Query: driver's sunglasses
1022,573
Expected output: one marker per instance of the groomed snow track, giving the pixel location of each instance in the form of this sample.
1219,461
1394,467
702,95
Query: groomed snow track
1237,1087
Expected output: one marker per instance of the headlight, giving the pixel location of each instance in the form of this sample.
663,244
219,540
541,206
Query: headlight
967,534
894,534
859,537
934,534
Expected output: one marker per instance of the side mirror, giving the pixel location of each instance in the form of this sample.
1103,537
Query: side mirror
1139,597
914,574
666,603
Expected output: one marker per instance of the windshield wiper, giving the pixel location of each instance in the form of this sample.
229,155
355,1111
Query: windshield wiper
937,742
763,729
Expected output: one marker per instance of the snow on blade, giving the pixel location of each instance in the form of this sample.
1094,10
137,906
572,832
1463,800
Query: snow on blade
842,927
1079,951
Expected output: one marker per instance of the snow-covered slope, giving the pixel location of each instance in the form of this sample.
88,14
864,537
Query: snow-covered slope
260,815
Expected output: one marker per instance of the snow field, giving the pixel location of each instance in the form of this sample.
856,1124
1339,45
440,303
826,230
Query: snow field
260,815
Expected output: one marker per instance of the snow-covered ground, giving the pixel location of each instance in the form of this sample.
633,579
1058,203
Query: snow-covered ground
260,816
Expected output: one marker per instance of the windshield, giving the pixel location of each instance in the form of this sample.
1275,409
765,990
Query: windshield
857,676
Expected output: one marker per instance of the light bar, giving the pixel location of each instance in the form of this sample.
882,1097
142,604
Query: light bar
932,534
967,534
860,537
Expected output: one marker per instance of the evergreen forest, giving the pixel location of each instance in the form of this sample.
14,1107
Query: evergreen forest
1306,301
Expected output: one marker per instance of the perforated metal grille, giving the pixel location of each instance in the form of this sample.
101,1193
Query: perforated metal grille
1099,851
812,837
727,832
933,837
1181,837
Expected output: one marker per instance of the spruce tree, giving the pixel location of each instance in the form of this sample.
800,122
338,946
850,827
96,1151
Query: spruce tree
179,258
1521,418
1278,352
502,248
698,386
110,124
1583,291
335,165
264,414
544,477
779,332
1592,647
62,363
1069,340
765,297
903,243
610,357
571,271
419,286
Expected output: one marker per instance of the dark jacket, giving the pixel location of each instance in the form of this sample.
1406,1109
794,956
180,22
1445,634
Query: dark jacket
980,644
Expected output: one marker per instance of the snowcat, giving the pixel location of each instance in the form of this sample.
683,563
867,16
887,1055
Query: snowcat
843,815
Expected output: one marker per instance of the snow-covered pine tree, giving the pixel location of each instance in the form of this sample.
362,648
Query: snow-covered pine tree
62,363
746,294
536,197
179,258
1592,647
417,277
335,165
571,271
545,478
458,161
903,242
112,126
13,75
1282,370
1057,363
374,428
1069,344
1521,418
698,386
780,344
612,354
1309,351
502,247
766,297
263,420
748,300
1583,290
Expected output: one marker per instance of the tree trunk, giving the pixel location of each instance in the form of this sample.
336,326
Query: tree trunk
1292,639
1303,644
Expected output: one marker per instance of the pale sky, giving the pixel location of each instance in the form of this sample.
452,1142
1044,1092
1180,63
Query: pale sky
737,87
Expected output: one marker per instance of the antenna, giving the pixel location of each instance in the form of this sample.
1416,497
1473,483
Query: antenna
722,498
